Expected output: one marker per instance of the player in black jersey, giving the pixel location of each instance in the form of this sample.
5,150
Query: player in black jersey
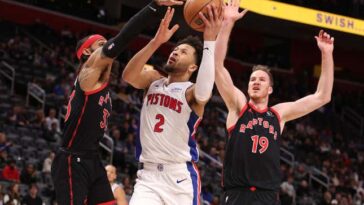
77,172
251,173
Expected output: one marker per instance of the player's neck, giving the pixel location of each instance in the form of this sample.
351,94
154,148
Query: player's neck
176,78
260,104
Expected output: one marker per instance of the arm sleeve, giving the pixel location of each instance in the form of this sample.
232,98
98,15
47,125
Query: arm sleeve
206,73
149,15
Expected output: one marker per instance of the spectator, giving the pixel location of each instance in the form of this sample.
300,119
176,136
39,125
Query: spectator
16,116
119,149
32,197
4,144
11,172
3,160
207,196
1,195
28,175
13,195
51,118
47,164
288,192
39,120
53,135
326,199
116,188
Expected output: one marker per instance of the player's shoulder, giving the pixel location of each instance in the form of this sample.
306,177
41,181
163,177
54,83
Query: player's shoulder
158,82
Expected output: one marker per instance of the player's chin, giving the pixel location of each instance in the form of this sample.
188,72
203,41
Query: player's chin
254,96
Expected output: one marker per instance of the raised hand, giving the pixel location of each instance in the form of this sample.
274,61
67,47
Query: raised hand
325,42
170,2
164,33
231,11
212,22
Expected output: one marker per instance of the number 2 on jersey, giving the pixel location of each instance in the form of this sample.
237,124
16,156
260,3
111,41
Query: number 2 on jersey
262,141
158,126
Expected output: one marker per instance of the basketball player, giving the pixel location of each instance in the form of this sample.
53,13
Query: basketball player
171,112
251,173
117,190
77,172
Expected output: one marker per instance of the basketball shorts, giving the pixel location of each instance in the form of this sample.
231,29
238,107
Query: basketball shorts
172,184
80,179
250,197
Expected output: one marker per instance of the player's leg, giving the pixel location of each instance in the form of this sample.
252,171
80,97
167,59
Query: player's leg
146,189
100,191
69,181
182,186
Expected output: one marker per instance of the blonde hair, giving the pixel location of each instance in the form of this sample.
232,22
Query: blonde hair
266,70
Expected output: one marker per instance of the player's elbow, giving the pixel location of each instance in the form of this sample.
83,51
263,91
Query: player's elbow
324,99
131,81
125,76
202,99
327,99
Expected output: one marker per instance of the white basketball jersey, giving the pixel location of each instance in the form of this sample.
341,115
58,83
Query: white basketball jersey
167,125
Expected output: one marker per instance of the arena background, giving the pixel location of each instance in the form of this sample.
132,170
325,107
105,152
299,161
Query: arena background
322,154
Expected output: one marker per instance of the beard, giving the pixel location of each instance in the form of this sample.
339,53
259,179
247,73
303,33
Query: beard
169,69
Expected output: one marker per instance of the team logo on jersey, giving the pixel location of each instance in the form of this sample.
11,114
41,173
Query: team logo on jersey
258,122
176,90
104,100
111,46
269,114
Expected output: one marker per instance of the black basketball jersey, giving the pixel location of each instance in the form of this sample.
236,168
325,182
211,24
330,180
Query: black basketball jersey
253,151
86,119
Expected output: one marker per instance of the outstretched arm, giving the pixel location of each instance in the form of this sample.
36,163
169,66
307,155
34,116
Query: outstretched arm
293,110
149,15
133,72
202,89
232,96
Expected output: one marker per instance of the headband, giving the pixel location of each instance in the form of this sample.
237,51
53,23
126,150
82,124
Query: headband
87,44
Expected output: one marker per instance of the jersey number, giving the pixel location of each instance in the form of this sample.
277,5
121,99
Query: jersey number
69,106
157,127
103,123
263,143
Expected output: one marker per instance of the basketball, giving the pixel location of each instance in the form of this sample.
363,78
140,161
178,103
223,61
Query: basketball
193,7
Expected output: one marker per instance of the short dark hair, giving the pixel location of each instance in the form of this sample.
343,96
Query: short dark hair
78,46
264,69
196,43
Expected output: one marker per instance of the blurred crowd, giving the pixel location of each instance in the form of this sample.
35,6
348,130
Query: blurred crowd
29,136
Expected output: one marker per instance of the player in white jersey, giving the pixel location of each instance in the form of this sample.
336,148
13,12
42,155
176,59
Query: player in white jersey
171,111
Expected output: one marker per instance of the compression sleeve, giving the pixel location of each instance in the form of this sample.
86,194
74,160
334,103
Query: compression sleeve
149,15
206,73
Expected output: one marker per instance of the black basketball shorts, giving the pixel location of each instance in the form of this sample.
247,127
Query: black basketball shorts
250,197
80,179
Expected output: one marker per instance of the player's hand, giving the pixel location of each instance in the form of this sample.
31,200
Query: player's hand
325,42
164,33
169,2
231,11
212,22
